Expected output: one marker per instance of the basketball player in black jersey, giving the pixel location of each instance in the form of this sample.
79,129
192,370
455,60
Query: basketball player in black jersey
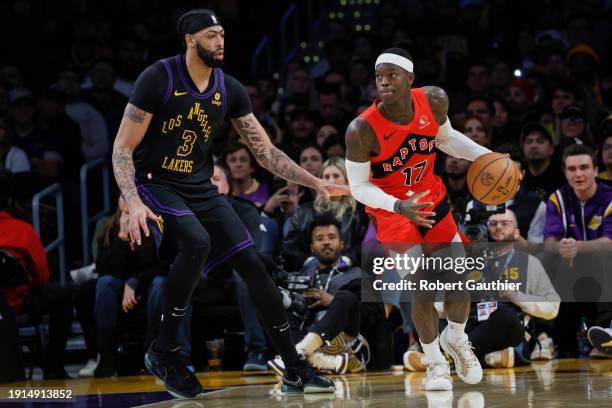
163,162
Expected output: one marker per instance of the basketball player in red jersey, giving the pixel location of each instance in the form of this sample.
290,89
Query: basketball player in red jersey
390,165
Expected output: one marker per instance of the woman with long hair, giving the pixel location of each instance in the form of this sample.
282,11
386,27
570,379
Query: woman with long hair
345,209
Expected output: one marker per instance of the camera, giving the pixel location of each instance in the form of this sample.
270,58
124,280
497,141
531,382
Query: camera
293,297
475,227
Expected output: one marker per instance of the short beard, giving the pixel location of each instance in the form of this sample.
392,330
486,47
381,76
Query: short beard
208,58
328,260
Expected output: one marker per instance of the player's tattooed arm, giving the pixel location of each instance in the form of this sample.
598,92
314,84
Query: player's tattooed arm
268,155
438,101
131,131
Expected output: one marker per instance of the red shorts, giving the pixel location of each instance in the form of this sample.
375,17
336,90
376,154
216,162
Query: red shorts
395,228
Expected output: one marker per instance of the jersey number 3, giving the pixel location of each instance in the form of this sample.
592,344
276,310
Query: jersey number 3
189,137
420,166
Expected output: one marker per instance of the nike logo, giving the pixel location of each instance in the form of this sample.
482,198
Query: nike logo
296,384
385,137
177,93
607,344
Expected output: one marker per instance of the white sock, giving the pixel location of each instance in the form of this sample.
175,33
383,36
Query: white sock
309,344
456,332
432,351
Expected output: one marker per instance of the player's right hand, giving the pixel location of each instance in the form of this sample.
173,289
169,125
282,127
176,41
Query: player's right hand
139,213
411,209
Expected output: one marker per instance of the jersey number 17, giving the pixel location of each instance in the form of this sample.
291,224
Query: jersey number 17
408,172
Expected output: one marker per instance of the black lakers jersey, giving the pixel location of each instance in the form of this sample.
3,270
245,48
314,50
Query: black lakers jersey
176,149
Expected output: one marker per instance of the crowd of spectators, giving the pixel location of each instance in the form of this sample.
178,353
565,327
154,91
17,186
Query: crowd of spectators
536,86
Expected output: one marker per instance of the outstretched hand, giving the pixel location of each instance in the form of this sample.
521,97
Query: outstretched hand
411,209
330,189
139,213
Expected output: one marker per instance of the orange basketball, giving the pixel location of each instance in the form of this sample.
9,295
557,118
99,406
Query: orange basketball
493,178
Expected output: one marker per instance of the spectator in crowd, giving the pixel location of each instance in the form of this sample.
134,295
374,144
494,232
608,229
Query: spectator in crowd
520,96
553,64
125,274
500,122
19,239
583,63
329,327
482,108
525,202
543,173
104,98
578,237
280,207
284,114
497,319
264,117
267,87
359,76
337,56
324,132
94,130
606,158
455,180
564,94
42,149
334,146
574,128
501,74
62,134
300,133
131,53
298,86
475,129
337,80
12,158
242,167
478,79
330,106
344,209
311,159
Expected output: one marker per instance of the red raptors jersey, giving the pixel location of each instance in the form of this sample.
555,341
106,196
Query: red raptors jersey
405,164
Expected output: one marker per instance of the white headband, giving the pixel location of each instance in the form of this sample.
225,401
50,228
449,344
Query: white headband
394,59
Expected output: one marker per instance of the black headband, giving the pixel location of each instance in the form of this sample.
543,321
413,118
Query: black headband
196,20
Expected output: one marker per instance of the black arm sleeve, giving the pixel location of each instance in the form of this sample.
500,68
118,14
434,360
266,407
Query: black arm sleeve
150,88
238,101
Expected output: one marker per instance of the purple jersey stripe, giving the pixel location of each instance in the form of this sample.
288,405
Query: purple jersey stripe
170,81
192,91
224,257
160,207
222,83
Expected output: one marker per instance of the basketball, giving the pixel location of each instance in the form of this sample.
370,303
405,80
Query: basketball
493,178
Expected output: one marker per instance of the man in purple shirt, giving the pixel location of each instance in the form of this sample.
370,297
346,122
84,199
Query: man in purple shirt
579,230
578,215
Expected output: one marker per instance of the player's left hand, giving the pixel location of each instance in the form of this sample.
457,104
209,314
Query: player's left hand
330,189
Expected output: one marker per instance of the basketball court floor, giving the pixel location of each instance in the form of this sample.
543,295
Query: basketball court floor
560,383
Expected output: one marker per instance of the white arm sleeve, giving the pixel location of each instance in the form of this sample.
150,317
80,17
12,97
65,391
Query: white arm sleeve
363,190
458,145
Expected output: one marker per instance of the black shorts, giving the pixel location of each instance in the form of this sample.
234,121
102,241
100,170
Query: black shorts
211,212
